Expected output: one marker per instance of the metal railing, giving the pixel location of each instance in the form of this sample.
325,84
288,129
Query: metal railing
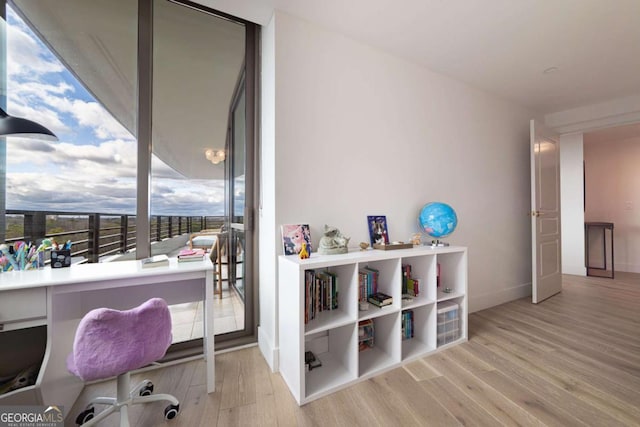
97,235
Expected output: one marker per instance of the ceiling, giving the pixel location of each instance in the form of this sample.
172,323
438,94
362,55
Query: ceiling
501,46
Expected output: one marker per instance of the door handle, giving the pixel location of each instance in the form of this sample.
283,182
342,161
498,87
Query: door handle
537,213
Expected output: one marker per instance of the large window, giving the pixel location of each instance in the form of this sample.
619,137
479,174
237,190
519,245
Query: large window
92,168
82,69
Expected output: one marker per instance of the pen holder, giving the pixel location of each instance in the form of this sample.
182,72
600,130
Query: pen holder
36,262
60,258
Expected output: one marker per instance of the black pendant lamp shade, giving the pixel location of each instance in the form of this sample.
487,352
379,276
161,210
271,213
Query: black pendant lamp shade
15,126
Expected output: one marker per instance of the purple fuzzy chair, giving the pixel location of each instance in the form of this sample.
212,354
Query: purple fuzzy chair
112,343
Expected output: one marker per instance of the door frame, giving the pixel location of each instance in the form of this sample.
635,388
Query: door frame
249,83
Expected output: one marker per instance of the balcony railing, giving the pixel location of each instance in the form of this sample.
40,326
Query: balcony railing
94,236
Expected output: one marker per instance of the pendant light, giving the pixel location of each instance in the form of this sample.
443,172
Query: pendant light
16,126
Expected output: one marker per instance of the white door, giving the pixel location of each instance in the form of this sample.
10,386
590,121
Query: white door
545,213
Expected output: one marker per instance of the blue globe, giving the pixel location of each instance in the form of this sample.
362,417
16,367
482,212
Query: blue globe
438,219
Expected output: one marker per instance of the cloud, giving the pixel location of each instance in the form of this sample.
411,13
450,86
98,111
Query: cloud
29,58
37,89
59,193
35,145
45,116
49,102
93,166
44,175
92,115
116,158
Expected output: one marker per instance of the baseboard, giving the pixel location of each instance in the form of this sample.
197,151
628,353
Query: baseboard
269,352
500,297
628,268
576,270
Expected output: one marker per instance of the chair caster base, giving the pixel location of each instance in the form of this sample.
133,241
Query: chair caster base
171,411
85,415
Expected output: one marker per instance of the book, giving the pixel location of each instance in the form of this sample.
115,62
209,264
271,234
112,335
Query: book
380,299
367,282
191,259
186,255
407,324
392,246
190,252
155,261
378,234
410,286
406,274
321,293
293,236
413,287
365,334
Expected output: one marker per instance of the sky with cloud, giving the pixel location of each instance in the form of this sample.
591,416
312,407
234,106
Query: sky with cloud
92,168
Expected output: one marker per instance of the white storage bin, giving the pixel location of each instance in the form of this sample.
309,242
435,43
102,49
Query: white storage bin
448,322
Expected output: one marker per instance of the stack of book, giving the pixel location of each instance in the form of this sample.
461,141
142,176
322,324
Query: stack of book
380,299
321,293
365,334
410,286
187,255
407,324
367,282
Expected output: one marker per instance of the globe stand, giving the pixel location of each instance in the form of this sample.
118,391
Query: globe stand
437,243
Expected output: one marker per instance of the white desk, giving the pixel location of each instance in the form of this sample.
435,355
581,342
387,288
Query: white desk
59,298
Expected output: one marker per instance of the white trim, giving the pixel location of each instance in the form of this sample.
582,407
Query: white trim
477,303
627,267
616,112
269,352
240,347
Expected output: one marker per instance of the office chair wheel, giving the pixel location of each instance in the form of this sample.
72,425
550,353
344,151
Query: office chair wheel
85,415
147,390
171,411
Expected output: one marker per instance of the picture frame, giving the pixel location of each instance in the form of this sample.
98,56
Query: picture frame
378,231
293,236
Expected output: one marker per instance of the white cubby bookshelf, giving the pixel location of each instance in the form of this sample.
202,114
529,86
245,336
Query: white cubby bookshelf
333,334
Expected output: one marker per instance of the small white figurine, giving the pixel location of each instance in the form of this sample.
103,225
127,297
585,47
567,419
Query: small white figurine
333,242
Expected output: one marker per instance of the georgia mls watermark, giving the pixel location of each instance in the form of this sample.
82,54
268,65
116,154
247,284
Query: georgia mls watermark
31,416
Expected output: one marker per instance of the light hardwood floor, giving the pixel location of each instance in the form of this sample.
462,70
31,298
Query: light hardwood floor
571,360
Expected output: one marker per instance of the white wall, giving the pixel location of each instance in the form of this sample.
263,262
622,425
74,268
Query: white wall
613,195
572,202
361,132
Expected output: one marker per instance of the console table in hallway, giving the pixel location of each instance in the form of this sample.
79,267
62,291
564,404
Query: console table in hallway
604,226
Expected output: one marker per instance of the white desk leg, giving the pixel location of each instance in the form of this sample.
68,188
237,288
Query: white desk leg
209,343
59,386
